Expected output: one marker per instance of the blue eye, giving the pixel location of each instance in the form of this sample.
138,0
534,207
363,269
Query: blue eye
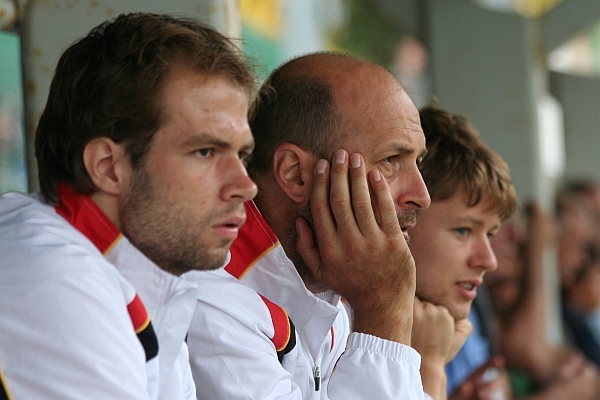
204,152
462,231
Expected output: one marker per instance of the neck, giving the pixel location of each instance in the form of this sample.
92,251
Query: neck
281,213
278,211
109,206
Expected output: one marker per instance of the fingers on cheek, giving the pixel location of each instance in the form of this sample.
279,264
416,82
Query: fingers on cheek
339,172
321,183
375,177
321,167
379,186
319,210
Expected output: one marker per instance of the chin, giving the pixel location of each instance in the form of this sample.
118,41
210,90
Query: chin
218,259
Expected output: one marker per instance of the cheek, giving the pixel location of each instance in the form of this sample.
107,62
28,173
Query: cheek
394,184
424,241
188,176
434,268
163,171
428,269
431,284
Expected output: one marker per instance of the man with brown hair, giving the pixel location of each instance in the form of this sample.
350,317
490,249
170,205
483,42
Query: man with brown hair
338,147
141,152
471,194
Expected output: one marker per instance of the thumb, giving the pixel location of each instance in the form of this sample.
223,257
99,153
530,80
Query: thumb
462,330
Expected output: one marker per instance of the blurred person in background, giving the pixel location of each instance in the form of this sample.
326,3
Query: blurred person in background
538,370
578,213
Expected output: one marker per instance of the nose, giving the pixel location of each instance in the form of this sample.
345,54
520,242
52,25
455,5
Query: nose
415,194
238,185
483,256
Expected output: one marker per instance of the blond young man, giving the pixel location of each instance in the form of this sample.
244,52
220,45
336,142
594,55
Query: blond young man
471,194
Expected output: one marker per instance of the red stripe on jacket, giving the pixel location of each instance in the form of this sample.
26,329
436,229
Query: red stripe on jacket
255,239
139,315
87,218
281,323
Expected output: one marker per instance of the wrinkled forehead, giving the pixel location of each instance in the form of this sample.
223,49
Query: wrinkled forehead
386,116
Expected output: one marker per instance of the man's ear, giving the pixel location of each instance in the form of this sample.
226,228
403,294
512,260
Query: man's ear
293,169
107,165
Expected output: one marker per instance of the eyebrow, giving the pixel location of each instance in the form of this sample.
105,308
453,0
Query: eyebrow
207,139
474,221
403,149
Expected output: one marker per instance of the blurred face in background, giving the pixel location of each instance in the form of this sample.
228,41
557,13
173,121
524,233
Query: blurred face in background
575,235
505,282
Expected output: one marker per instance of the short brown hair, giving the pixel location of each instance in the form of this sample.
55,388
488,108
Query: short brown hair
458,159
110,83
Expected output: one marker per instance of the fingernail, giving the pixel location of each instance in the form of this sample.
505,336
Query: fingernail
321,167
355,160
376,175
339,157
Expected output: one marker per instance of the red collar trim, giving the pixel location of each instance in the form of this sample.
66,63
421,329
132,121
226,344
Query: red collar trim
87,218
281,324
254,240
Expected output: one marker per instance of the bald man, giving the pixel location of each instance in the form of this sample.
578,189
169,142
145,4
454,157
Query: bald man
338,147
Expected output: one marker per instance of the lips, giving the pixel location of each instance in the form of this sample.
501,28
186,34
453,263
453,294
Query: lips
233,222
229,227
407,220
468,288
405,230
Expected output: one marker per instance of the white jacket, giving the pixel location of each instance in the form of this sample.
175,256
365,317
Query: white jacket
68,317
243,346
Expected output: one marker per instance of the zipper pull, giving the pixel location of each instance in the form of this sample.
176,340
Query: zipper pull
317,376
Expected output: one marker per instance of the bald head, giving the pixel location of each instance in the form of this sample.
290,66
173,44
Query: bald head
317,102
327,66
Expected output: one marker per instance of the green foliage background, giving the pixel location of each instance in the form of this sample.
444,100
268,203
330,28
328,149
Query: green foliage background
368,33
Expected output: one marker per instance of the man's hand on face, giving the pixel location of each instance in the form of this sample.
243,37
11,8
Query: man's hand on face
433,332
438,338
436,334
360,251
462,330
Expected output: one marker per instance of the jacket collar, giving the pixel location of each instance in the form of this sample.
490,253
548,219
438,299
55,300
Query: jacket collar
259,261
169,299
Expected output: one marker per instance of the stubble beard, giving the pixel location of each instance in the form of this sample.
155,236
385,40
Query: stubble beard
291,237
161,230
